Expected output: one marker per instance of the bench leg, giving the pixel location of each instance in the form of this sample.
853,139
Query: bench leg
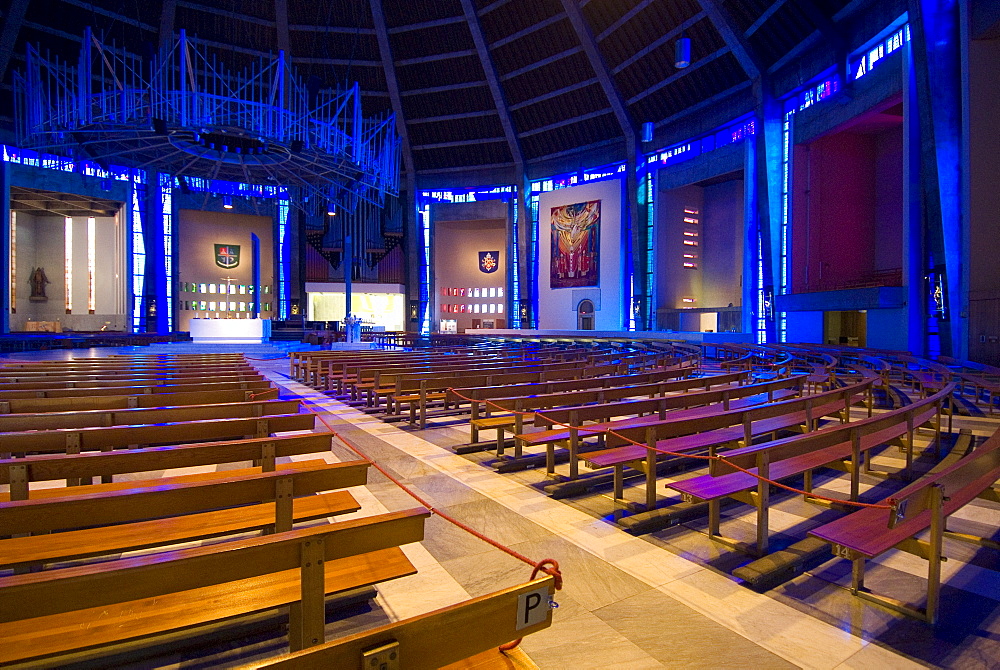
714,514
650,481
858,575
574,449
763,508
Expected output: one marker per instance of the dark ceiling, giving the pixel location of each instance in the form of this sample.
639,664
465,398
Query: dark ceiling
481,84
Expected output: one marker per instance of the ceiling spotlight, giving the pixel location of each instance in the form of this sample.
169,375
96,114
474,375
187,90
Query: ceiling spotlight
227,202
682,52
331,210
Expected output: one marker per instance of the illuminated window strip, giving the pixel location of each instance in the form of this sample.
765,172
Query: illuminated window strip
13,262
166,212
68,263
91,264
424,221
515,280
650,249
284,259
138,257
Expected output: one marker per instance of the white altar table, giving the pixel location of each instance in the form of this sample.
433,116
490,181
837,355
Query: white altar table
230,331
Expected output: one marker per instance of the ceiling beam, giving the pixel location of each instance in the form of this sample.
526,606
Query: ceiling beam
831,31
499,100
448,20
445,87
8,36
625,18
707,102
554,94
459,143
432,58
602,72
281,23
455,117
541,63
392,84
658,42
494,5
167,15
566,122
527,31
733,37
677,75
762,19
306,28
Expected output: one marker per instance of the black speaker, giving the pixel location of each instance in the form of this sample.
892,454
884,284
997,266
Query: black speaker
159,126
296,146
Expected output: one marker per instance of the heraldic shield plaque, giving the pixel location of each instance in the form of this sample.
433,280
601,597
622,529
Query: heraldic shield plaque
227,256
489,261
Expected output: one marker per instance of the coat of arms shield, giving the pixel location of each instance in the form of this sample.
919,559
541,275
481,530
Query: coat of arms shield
227,256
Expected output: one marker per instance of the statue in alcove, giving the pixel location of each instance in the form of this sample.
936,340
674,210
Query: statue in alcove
38,281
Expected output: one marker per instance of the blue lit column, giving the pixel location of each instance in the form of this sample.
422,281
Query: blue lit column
913,247
158,243
935,42
137,255
767,139
751,241
5,251
283,257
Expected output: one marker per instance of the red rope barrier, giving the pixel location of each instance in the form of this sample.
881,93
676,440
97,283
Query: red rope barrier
548,566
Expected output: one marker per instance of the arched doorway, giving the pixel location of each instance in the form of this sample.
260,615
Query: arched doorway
585,315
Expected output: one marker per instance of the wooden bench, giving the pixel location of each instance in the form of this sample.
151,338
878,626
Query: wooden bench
711,432
107,402
682,407
418,392
482,400
19,473
139,389
439,639
924,505
97,523
59,611
552,406
847,447
144,415
75,440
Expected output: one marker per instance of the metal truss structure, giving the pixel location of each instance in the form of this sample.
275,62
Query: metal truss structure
185,111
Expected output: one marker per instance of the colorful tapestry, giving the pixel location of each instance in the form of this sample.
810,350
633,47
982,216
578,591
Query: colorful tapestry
576,245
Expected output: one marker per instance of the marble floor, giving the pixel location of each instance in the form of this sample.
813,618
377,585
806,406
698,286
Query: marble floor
659,600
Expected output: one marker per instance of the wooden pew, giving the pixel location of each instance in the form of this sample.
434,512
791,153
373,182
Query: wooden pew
98,523
106,402
134,390
682,407
59,611
19,473
847,447
924,505
607,402
74,440
711,432
120,417
423,389
437,639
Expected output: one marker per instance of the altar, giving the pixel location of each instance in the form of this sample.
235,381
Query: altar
230,331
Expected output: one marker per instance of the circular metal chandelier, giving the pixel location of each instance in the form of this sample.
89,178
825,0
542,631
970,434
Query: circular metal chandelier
184,112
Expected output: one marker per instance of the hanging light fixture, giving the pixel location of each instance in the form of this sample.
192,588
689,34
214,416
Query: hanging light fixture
227,202
682,52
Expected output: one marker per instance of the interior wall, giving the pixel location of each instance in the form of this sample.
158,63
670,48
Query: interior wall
847,209
557,307
198,232
674,282
456,248
722,245
984,203
41,243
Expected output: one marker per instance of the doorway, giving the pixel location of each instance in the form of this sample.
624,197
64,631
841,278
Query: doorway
846,328
585,315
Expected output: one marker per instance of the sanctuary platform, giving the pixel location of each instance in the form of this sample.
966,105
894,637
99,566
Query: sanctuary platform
230,331
710,338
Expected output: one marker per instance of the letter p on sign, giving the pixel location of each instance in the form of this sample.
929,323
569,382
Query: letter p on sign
532,608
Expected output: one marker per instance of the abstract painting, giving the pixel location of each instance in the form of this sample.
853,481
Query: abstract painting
576,245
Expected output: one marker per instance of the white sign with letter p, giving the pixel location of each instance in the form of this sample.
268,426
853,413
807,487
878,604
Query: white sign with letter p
532,607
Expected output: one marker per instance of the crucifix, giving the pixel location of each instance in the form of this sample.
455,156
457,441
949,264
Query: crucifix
229,281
